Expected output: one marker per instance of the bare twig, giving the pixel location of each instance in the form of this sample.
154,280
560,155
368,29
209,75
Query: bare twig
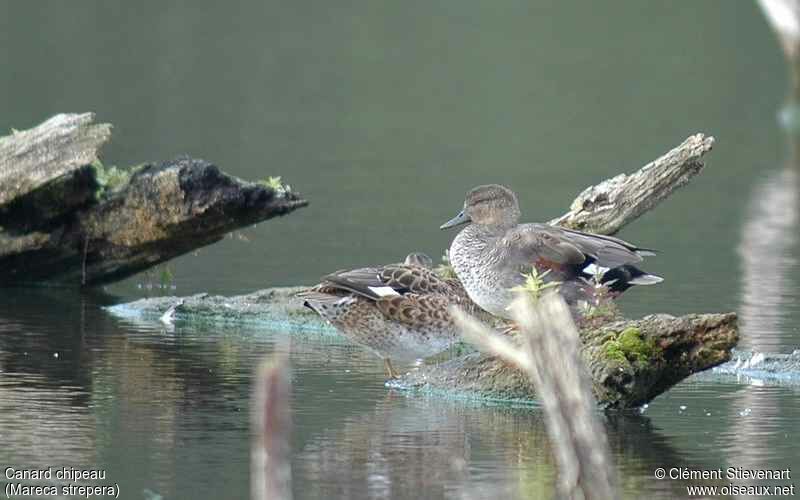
610,205
551,358
271,473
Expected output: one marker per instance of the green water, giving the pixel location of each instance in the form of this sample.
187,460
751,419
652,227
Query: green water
383,115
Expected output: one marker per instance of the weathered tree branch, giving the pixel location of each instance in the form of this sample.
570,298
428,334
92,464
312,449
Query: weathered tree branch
64,218
29,159
606,207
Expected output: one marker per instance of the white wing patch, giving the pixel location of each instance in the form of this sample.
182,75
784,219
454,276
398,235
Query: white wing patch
646,279
383,291
595,269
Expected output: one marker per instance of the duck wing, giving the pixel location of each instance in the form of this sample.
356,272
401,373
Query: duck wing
414,279
606,251
416,310
532,242
386,281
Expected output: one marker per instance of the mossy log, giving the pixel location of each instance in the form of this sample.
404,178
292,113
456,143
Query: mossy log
67,219
630,361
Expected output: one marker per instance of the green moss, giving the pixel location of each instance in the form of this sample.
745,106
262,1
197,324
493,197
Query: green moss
630,346
613,351
109,178
276,184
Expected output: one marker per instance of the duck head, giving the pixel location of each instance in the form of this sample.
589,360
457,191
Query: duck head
488,205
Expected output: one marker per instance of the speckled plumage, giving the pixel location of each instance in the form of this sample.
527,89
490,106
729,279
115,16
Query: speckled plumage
398,311
491,254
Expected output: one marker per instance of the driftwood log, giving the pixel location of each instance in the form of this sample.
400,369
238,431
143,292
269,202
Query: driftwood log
67,219
606,207
630,361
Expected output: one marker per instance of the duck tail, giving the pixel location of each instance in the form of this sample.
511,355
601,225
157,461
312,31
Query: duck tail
623,277
319,302
364,282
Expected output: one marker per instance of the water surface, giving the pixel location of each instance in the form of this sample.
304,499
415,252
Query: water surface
383,116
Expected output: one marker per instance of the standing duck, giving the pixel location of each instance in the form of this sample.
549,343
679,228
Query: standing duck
493,252
398,311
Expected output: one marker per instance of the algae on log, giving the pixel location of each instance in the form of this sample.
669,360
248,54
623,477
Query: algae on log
270,307
62,221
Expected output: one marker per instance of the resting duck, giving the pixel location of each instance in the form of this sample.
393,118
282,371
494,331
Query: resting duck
398,311
491,254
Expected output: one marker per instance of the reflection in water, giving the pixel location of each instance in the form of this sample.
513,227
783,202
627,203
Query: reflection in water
768,252
78,391
399,448
44,404
449,449
768,249
167,412
357,102
43,424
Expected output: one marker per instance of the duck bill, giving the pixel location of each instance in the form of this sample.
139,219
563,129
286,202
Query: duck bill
459,219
